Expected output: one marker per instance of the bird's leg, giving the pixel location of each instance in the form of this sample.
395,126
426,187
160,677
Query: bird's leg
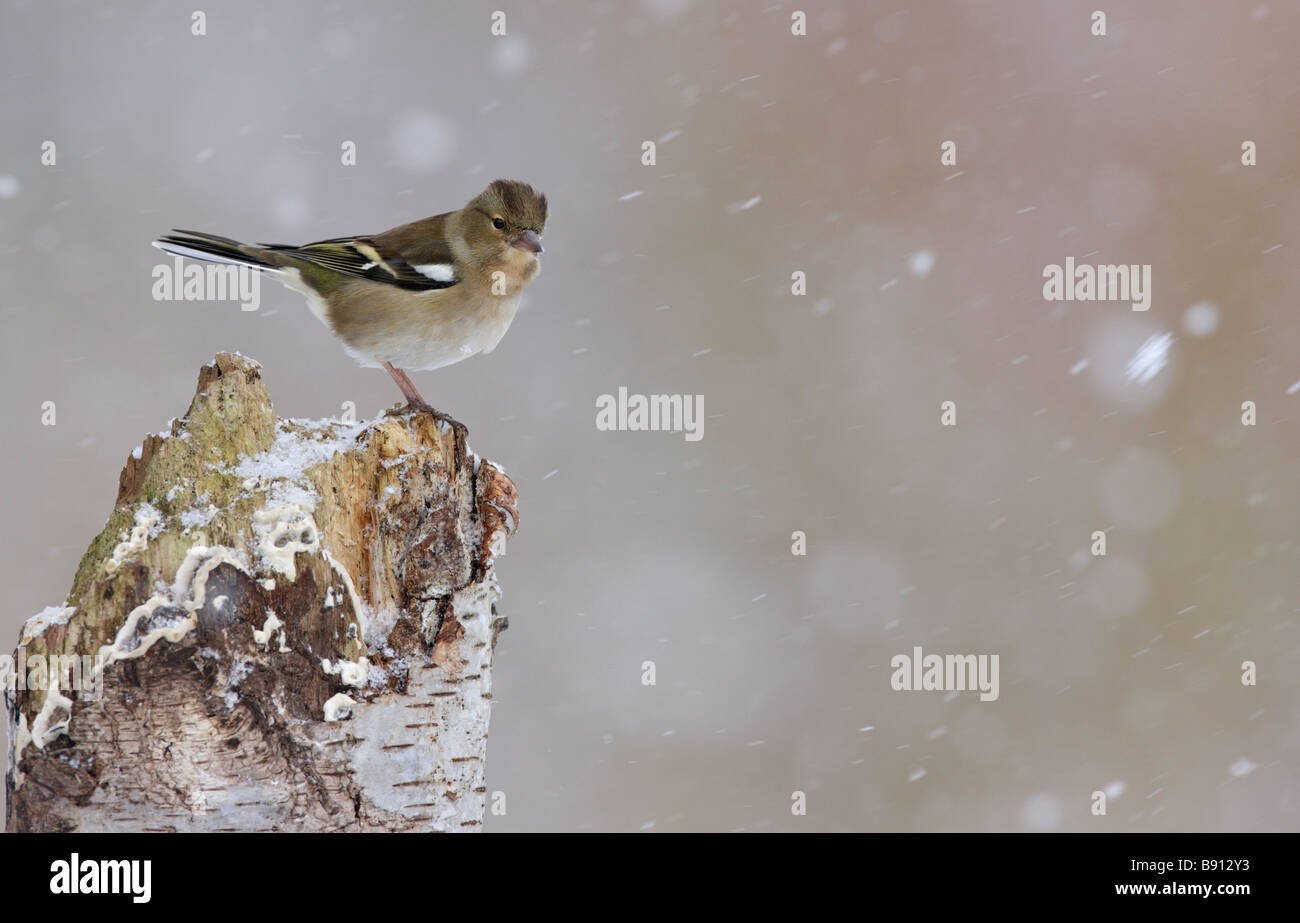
413,399
417,403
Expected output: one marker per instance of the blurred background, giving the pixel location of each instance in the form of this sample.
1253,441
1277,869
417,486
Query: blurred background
775,153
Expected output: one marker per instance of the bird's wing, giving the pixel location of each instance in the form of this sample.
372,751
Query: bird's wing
414,256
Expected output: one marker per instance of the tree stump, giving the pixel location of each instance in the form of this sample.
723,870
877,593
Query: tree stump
285,625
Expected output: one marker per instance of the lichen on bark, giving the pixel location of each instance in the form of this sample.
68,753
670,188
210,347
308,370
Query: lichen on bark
291,624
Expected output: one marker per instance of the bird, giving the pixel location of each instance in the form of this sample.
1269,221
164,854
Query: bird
420,296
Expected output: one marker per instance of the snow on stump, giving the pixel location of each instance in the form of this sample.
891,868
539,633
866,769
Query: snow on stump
285,625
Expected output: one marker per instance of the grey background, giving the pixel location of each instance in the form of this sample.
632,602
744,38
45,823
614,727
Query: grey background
822,410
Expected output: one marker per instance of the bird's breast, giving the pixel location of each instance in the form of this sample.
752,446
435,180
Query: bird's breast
420,330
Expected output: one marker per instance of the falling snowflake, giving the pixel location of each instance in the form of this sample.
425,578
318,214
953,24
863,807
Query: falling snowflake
1243,767
1151,357
920,263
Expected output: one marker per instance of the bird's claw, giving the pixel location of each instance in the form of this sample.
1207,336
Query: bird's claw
410,407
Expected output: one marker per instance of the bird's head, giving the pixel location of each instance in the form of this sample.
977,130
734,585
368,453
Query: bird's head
504,223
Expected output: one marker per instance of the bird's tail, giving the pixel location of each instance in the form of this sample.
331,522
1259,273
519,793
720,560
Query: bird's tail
200,246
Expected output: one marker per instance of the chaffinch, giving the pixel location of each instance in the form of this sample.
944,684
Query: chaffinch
420,296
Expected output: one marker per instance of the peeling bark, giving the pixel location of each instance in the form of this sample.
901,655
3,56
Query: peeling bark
291,624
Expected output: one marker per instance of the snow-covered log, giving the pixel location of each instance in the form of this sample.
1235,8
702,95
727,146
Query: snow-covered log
285,625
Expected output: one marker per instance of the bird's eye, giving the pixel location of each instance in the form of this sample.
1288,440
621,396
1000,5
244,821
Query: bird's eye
499,223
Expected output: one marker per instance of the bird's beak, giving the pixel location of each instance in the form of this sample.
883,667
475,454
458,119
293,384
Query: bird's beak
528,241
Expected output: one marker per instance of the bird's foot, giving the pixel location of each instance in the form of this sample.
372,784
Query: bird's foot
451,422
